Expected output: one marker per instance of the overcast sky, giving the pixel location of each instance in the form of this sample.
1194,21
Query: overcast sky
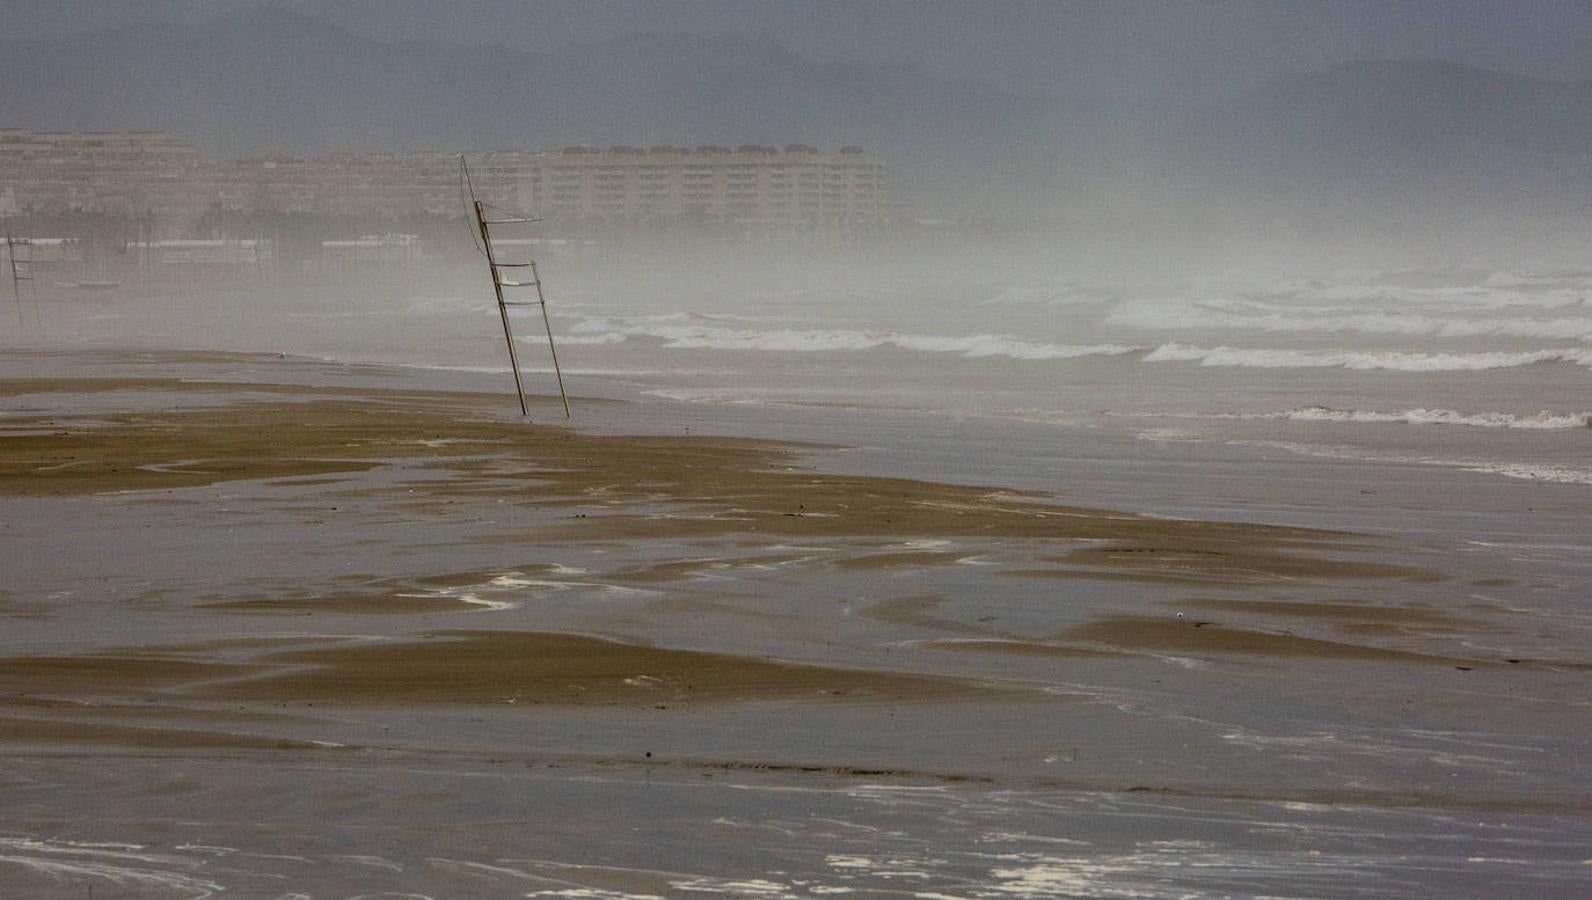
1101,48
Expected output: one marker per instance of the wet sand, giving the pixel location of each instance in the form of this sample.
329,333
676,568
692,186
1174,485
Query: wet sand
594,488
711,486
1197,637
53,732
499,667
600,489
396,603
682,638
467,668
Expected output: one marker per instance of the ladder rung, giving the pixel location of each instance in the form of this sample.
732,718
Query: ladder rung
522,303
502,283
506,221
512,265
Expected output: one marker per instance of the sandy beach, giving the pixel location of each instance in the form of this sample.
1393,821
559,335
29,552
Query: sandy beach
263,615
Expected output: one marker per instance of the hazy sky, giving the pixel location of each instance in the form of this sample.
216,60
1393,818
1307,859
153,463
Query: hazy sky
1101,48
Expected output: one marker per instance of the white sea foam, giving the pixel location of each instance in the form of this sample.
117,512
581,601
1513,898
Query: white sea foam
721,317
687,333
1257,317
589,893
1541,421
1397,360
706,395
1530,472
592,340
490,605
1447,311
1526,471
753,887
118,864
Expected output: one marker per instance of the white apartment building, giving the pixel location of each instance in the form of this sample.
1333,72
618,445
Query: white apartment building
380,185
747,185
141,172
157,175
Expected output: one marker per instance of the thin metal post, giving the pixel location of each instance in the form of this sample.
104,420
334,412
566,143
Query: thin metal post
503,310
542,301
464,166
16,283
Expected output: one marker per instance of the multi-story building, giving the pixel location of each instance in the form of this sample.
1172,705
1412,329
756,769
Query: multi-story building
137,173
155,175
376,185
749,185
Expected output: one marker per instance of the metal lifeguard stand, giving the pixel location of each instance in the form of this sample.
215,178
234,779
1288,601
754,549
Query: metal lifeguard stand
484,225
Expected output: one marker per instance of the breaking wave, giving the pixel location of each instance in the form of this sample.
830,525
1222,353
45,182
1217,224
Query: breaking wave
592,340
1526,471
1520,309
1403,361
1537,421
1578,328
695,335
1542,421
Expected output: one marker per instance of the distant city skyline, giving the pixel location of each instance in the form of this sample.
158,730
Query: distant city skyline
161,178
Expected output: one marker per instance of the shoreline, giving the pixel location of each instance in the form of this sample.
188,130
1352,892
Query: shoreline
265,571
429,451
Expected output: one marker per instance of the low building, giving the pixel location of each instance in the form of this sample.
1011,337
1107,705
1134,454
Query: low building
371,249
202,254
46,252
